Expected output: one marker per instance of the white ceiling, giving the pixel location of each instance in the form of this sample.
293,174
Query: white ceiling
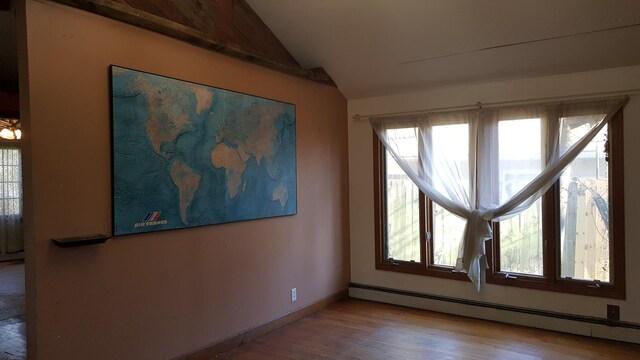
380,47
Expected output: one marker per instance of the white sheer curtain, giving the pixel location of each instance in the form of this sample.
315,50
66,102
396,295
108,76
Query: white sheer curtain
11,239
478,180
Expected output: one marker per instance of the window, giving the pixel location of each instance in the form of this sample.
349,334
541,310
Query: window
10,182
417,235
402,208
10,199
569,240
582,219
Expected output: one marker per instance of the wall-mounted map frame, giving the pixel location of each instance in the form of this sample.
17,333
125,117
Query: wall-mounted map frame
186,154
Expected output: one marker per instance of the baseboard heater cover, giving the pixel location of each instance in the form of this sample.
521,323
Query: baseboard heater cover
592,326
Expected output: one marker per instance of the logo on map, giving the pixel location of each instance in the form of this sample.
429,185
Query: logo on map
151,219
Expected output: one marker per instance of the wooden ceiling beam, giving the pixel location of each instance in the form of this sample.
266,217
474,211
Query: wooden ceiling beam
198,23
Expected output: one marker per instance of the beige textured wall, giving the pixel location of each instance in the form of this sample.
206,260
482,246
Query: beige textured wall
161,295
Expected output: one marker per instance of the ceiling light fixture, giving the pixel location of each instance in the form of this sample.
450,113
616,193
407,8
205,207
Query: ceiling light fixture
10,129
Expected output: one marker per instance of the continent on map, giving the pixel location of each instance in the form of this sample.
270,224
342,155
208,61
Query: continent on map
255,134
167,107
166,110
261,140
187,182
228,158
204,97
281,194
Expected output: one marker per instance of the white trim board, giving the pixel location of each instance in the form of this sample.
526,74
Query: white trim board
504,315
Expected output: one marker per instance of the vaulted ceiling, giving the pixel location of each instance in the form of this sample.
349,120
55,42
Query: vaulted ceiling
378,47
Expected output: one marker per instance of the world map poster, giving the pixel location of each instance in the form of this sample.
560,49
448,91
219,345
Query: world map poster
187,155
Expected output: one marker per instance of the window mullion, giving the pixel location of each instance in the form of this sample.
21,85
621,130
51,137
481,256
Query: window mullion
551,231
426,249
426,216
616,199
489,125
551,201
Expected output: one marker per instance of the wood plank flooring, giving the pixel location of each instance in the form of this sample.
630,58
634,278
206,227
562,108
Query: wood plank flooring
356,329
12,311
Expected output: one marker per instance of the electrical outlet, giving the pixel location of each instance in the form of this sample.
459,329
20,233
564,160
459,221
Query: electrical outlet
613,312
294,294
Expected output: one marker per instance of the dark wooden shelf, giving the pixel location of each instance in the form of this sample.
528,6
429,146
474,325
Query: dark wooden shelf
81,241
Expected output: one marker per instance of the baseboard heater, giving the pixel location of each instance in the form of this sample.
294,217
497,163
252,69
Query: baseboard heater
625,331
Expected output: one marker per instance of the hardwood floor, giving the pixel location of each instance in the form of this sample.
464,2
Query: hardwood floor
12,311
356,329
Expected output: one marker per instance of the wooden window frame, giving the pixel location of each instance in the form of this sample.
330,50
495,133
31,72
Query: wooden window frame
425,265
550,280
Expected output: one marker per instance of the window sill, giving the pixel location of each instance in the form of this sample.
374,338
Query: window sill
415,268
579,287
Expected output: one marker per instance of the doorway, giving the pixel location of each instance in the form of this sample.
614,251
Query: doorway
12,271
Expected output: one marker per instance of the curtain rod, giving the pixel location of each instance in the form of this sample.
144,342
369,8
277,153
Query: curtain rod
591,96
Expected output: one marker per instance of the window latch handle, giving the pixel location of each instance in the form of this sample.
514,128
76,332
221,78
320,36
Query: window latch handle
595,285
508,276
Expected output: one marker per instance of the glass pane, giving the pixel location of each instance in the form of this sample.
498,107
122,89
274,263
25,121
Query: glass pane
403,210
584,211
447,232
521,242
519,161
450,153
10,182
450,158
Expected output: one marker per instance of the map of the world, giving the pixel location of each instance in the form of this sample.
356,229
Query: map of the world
186,154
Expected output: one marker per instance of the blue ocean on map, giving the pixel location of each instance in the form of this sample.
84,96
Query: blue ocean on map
186,154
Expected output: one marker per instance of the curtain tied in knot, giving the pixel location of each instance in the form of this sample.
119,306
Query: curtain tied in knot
476,232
